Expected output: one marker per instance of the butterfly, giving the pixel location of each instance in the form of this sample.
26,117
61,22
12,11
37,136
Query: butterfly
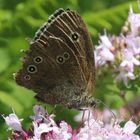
59,65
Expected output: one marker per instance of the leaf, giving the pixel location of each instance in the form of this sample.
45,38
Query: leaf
92,31
4,59
5,15
112,19
23,95
10,101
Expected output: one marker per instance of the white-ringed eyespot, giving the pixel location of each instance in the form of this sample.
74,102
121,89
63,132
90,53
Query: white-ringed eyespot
32,69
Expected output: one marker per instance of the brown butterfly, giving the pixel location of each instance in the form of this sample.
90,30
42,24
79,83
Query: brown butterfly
59,65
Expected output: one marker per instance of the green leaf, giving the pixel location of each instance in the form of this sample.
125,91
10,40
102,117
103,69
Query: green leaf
5,15
10,101
112,19
4,59
23,95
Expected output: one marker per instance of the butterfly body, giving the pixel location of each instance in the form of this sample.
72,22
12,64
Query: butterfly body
59,65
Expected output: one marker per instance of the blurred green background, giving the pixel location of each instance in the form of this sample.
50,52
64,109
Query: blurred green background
20,19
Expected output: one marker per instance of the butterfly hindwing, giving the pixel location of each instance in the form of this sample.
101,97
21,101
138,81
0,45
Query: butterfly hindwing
52,78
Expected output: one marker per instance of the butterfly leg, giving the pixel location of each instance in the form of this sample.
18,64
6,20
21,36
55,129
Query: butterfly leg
82,119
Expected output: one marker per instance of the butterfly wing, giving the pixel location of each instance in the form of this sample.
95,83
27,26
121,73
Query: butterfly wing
69,27
51,78
59,66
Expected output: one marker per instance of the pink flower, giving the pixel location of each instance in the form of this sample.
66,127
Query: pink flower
134,44
106,42
51,130
129,60
126,68
124,75
39,110
64,133
13,122
103,52
42,128
134,20
39,113
97,130
98,61
91,130
129,127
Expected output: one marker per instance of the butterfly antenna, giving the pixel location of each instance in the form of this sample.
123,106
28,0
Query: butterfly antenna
114,116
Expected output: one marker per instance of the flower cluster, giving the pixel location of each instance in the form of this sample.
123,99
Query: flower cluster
123,52
45,128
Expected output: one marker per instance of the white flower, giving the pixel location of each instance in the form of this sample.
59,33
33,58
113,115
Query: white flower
39,112
57,133
102,55
98,60
134,44
129,60
92,130
124,76
97,130
38,109
130,127
106,54
134,20
105,40
103,51
41,115
49,119
42,128
63,133
13,122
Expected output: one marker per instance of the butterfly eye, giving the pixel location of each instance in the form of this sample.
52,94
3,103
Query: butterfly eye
74,36
60,59
38,59
66,55
32,69
27,77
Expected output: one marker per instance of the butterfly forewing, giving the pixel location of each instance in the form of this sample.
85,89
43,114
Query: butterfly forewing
68,23
64,26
